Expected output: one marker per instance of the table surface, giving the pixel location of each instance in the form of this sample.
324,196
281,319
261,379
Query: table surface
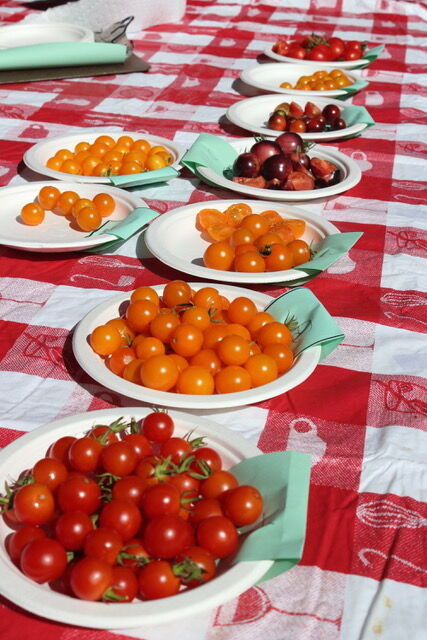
361,414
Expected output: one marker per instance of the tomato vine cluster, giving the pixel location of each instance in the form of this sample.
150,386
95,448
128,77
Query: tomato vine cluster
127,511
86,214
194,342
320,48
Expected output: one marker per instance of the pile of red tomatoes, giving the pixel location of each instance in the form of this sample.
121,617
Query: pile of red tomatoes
126,511
320,49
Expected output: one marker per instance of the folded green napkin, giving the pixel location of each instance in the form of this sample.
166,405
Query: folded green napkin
124,229
326,252
144,178
283,479
354,114
209,151
369,56
61,54
313,324
353,88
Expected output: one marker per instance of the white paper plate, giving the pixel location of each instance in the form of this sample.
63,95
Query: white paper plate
348,167
336,64
253,114
21,35
36,156
55,233
94,365
40,600
268,77
174,239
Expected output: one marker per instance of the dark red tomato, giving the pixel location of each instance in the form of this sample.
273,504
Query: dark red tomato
139,443
296,51
104,434
84,455
129,488
19,539
336,46
160,499
277,121
10,519
49,471
168,535
175,448
43,560
134,554
217,483
34,504
354,44
218,535
207,455
104,544
186,485
123,516
320,52
351,54
59,449
157,426
90,578
79,493
157,580
205,508
71,529
243,505
119,458
124,585
195,566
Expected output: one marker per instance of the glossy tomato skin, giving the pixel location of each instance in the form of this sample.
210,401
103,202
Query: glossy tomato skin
160,499
79,493
187,485
168,535
218,483
71,529
205,508
129,488
203,560
59,449
157,426
157,580
34,504
218,535
50,472
104,544
119,458
84,454
206,455
124,584
243,505
176,448
43,560
19,539
123,516
90,578
139,443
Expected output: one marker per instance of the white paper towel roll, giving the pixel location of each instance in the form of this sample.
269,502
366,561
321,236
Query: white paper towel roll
97,14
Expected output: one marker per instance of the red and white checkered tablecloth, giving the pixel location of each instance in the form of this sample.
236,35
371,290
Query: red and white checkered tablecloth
361,414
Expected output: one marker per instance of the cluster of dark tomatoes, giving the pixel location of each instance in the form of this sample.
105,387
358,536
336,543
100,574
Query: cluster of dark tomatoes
283,164
310,118
127,511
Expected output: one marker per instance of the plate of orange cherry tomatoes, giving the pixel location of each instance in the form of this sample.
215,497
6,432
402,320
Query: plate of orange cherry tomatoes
93,156
246,242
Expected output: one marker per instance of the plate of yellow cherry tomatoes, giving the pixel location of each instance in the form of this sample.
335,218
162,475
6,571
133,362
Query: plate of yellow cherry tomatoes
93,156
52,217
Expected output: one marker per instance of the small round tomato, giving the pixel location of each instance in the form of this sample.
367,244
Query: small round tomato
124,585
59,449
157,426
300,252
105,204
123,516
71,529
233,350
195,566
168,535
79,493
90,578
282,354
176,292
243,505
104,340
206,456
50,472
84,454
134,554
140,313
129,488
195,380
218,535
160,499
176,449
205,508
278,258
262,369
187,486
119,458
232,379
296,51
32,214
139,443
251,262
118,360
208,359
159,372
320,52
186,340
104,544
274,332
336,46
48,197
219,255
157,580
20,538
34,504
218,483
43,560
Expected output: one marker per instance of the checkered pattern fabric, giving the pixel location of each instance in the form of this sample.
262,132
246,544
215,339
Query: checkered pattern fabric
361,414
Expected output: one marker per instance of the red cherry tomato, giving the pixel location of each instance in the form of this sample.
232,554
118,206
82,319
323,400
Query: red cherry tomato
104,544
34,504
243,505
79,493
296,51
218,483
157,580
19,540
43,560
218,535
50,472
168,535
157,426
124,585
90,578
197,566
160,499
119,458
71,529
123,516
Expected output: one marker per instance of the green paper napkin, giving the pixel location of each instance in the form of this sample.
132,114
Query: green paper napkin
353,88
283,479
315,326
369,56
145,178
328,251
62,54
209,151
354,114
123,230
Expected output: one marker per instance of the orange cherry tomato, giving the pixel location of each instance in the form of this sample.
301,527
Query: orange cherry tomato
126,333
296,226
163,324
208,217
219,232
105,339
241,236
241,310
159,372
236,212
244,248
132,371
71,166
98,150
219,255
127,141
89,164
186,340
180,361
207,358
271,216
148,347
48,197
64,154
274,332
140,313
88,219
282,354
130,168
233,349
66,202
232,379
105,204
145,293
81,146
208,298
256,224
251,261
262,369
140,145
278,258
259,320
106,141
195,380
267,239
32,214
81,203
237,329
118,360
155,161
176,292
197,316
300,252
101,169
113,155
54,163
213,334
81,155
